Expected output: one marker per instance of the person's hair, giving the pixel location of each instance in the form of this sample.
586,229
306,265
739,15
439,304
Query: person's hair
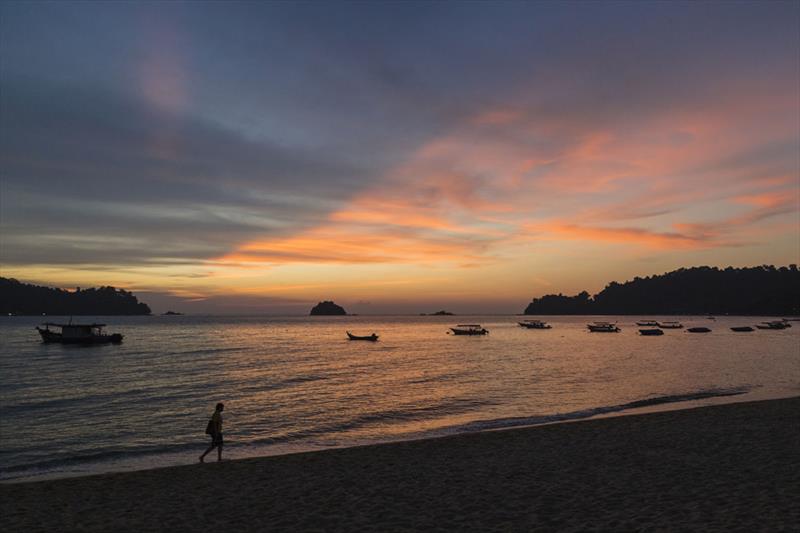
220,405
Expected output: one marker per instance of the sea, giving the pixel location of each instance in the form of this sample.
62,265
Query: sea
297,384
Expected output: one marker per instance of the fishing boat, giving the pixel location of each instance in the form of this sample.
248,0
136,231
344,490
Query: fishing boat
699,329
651,323
352,337
534,324
670,324
78,334
651,332
775,324
469,329
742,328
603,327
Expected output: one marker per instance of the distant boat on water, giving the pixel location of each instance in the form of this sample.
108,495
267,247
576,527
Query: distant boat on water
534,324
700,329
469,329
774,324
603,327
742,328
670,324
352,337
651,332
78,334
651,323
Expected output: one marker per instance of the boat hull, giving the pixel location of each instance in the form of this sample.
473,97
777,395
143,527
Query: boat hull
650,332
371,338
699,330
469,332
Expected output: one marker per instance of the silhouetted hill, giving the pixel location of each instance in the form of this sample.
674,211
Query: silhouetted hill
24,299
763,290
327,308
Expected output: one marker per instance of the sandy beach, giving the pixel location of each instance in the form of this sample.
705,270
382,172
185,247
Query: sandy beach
721,468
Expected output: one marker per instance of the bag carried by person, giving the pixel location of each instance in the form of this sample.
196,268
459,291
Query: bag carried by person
210,427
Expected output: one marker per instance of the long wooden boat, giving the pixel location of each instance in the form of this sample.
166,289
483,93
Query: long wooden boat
774,324
699,329
469,329
670,324
742,328
78,334
352,337
651,332
535,324
650,323
603,327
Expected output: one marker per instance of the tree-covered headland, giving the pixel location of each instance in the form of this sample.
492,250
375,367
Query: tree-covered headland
762,290
18,298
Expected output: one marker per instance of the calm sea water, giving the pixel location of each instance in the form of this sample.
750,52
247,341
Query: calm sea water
295,384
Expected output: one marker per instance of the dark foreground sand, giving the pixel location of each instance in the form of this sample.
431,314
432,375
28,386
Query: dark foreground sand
724,468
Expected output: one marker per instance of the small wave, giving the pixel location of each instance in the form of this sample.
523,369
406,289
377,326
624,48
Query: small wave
504,423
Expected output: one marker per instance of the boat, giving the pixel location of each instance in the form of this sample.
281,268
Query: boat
352,337
651,323
78,334
670,324
651,332
700,329
742,328
469,329
534,324
603,327
775,324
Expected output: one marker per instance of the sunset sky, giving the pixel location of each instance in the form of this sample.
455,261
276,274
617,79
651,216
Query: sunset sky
394,157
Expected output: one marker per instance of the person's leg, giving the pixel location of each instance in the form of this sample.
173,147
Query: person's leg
202,457
219,451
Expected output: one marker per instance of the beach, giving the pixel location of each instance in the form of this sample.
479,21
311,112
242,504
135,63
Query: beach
726,467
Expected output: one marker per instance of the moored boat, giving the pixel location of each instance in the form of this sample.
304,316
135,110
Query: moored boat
352,337
651,332
534,324
651,323
603,327
469,329
742,328
670,324
78,334
700,329
774,324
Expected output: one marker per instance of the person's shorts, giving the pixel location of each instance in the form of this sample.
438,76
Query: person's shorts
216,439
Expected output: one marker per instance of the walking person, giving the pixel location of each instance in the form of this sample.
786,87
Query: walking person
214,429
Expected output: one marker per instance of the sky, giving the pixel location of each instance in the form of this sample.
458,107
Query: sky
396,157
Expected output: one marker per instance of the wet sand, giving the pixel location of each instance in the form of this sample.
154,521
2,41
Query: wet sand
721,468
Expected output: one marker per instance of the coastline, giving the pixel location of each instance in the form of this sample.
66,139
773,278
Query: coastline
716,467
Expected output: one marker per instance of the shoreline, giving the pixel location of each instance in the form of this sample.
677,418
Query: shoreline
681,403
713,467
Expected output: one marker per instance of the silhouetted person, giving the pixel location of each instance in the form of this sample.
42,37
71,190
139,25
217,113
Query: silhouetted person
214,429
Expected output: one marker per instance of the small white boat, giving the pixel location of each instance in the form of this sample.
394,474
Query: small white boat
670,324
649,323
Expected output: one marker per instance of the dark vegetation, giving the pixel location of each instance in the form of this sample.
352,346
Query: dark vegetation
438,313
328,308
23,299
763,290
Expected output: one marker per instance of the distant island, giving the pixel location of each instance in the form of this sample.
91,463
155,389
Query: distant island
18,298
327,308
763,290
438,313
